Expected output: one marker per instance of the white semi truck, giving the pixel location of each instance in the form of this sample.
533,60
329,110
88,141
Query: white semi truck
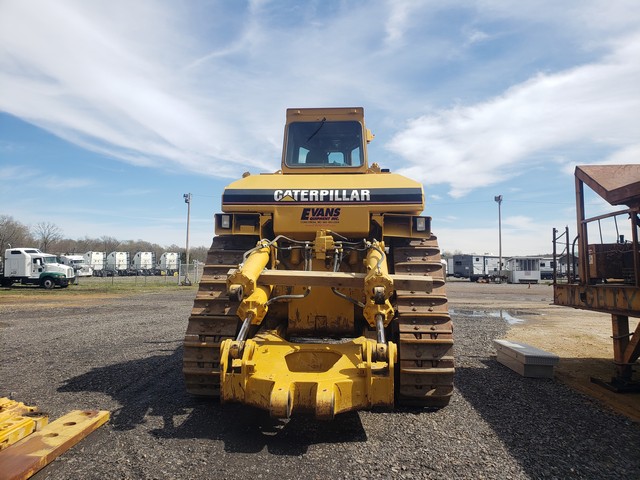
30,266
78,263
143,263
169,263
97,261
118,262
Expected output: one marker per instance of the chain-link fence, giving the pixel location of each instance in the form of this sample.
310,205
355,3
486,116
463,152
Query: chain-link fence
190,275
184,276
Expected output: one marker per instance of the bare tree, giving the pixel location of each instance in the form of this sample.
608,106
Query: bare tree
48,237
13,233
109,244
46,234
66,246
198,253
87,244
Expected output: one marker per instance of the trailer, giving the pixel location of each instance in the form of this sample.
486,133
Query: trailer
476,267
30,266
118,263
450,266
524,269
78,263
462,266
169,263
547,267
485,268
97,261
143,263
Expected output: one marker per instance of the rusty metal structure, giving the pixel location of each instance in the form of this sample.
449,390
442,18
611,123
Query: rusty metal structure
607,279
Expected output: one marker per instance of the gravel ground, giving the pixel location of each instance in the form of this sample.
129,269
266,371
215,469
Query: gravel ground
124,355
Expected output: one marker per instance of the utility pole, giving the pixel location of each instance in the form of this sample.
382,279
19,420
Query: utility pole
498,198
187,200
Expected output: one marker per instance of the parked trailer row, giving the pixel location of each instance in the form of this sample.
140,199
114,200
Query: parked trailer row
475,267
487,268
142,263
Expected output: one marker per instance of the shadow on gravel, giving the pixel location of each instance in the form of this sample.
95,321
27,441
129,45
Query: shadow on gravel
153,387
537,419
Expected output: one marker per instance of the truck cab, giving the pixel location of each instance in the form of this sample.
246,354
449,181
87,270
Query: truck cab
30,266
78,263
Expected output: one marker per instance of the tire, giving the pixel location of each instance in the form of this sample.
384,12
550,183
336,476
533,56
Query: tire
48,283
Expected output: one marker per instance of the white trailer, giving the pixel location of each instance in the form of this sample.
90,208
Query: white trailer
96,260
143,263
30,266
118,263
485,267
462,266
450,266
546,268
169,263
78,263
476,267
524,269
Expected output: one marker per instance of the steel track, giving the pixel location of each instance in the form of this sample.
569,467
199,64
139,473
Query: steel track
213,318
424,329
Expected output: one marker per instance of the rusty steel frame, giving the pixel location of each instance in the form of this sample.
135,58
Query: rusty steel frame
621,301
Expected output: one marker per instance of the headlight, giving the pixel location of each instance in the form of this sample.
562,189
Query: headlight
225,221
421,224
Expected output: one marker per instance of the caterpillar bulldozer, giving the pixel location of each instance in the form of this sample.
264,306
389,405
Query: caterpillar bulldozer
323,291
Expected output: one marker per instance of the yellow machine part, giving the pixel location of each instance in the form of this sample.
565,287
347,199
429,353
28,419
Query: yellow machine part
18,420
327,379
321,312
26,457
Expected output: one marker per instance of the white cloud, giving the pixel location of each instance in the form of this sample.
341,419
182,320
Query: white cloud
398,20
18,178
56,183
100,85
520,222
479,145
155,85
476,36
15,172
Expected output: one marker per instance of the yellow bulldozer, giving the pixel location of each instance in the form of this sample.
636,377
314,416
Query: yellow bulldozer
323,291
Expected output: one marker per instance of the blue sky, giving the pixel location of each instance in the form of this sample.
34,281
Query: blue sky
111,110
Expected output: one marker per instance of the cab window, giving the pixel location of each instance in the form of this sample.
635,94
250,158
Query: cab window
324,144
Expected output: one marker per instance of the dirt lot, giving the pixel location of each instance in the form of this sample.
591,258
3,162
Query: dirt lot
582,339
121,351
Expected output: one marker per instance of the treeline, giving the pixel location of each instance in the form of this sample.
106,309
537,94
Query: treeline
49,238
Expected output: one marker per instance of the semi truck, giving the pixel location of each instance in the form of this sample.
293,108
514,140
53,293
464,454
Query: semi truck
143,263
78,263
118,263
169,263
30,266
97,261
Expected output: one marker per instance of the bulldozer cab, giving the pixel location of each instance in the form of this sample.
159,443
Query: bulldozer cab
330,140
